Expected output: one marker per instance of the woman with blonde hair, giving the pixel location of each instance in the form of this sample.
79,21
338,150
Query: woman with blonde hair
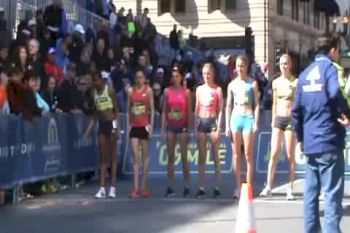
208,117
242,119
283,97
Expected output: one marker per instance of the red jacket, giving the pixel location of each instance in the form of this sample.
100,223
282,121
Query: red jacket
53,68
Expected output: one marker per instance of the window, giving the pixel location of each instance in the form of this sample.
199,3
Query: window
180,6
280,7
230,5
307,13
164,6
317,19
295,10
214,5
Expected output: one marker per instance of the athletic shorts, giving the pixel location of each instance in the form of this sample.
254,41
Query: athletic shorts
177,129
283,123
139,132
207,125
107,127
242,123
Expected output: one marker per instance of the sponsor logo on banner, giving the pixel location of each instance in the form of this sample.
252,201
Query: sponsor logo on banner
263,153
159,157
52,148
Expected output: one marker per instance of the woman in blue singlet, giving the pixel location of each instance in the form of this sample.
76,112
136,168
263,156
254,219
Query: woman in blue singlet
242,118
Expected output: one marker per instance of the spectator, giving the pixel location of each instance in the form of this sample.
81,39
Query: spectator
45,42
41,103
231,66
50,94
174,39
53,18
62,52
84,66
21,98
21,59
86,103
68,93
76,47
36,62
4,106
4,56
40,24
113,17
144,20
158,98
149,34
32,28
164,52
181,41
4,36
145,66
51,66
159,77
120,78
103,33
100,56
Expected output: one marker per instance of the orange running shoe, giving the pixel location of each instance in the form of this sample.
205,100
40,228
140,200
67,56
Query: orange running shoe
145,193
135,194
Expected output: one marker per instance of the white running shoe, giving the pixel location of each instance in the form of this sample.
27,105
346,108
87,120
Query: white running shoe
112,192
290,196
266,192
101,193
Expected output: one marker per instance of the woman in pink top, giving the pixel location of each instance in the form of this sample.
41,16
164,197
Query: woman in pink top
176,117
208,115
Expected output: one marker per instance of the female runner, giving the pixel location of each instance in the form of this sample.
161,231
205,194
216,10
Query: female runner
242,119
141,120
176,117
208,117
283,97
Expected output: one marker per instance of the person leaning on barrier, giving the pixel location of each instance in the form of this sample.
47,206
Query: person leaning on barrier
106,113
318,115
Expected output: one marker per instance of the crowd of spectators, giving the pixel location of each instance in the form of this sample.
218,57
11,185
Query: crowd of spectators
47,67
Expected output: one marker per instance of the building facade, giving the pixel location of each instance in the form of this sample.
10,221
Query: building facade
277,25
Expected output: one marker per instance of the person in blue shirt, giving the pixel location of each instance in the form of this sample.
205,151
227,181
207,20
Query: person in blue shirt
319,115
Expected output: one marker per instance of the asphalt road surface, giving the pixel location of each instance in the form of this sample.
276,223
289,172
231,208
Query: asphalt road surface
75,210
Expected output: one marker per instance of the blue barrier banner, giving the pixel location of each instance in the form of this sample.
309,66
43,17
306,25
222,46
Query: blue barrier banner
262,151
159,156
48,147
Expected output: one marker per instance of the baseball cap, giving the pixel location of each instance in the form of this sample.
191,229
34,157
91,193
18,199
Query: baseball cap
105,74
31,22
52,50
79,28
160,70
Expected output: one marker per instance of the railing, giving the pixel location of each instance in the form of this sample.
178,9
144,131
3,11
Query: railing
15,11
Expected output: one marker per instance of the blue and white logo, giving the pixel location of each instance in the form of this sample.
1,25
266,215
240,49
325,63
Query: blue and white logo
52,148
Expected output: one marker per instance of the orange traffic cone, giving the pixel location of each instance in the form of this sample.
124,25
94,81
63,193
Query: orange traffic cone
245,222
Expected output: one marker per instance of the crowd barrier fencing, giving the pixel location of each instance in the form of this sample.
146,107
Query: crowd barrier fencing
54,145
